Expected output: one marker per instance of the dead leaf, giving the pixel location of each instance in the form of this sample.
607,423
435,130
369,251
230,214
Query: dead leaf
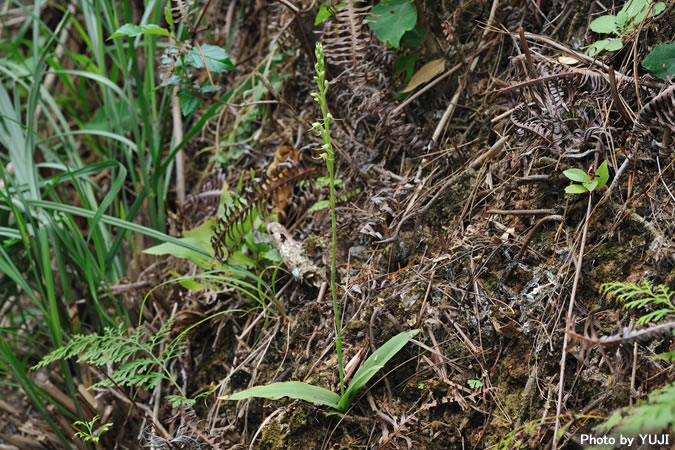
425,74
568,60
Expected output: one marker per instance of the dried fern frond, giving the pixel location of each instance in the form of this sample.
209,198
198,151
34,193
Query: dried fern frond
627,336
658,112
181,11
273,192
345,41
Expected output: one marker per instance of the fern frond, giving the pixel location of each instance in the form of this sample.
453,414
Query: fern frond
652,417
345,41
640,296
658,112
137,353
239,219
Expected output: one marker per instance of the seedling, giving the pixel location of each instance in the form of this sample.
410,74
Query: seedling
588,182
475,383
86,430
629,18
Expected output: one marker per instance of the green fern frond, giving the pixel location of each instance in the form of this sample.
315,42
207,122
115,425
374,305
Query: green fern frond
137,353
640,296
652,417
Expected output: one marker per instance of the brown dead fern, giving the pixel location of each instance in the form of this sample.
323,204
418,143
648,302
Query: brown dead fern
345,40
658,112
258,200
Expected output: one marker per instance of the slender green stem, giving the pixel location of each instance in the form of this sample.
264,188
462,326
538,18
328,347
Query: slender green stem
329,155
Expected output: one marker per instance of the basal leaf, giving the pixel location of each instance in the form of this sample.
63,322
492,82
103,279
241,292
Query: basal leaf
373,364
390,19
216,58
292,389
662,55
577,175
132,30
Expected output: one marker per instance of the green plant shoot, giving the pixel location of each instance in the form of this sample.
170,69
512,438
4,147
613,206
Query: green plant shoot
588,183
85,430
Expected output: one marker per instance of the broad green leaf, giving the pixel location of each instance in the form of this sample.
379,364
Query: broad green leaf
373,364
168,15
413,38
318,206
132,30
240,259
407,63
605,25
216,58
602,174
609,45
292,389
575,189
662,55
188,102
390,19
577,175
199,237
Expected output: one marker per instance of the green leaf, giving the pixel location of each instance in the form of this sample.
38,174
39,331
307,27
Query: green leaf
609,45
602,174
216,58
407,63
199,237
187,283
577,175
292,389
318,206
240,259
132,30
413,38
662,55
575,189
188,101
591,186
605,25
390,19
373,364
